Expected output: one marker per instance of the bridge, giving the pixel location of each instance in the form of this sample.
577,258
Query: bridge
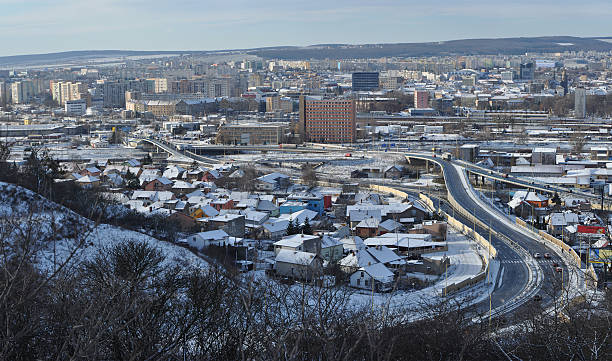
186,154
521,276
515,245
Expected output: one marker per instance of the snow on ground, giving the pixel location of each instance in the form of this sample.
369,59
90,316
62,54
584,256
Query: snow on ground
61,232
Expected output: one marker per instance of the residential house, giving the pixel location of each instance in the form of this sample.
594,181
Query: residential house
232,224
255,218
407,243
202,240
185,222
331,249
289,207
88,181
91,171
275,228
367,228
173,172
313,202
272,181
356,259
376,277
182,187
390,226
358,215
299,242
265,205
158,184
351,243
222,203
558,221
304,266
394,172
210,175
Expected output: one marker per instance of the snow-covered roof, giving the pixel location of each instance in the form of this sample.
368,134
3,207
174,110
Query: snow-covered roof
384,208
383,254
217,234
153,195
276,225
360,215
272,177
558,219
357,258
390,225
182,185
164,180
379,272
352,243
254,216
196,193
295,257
294,240
300,216
228,217
405,240
88,179
369,223
328,241
266,206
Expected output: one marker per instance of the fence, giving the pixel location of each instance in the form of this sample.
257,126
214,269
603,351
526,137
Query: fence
388,190
427,201
590,272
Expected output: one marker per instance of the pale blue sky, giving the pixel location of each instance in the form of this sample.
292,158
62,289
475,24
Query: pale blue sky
41,26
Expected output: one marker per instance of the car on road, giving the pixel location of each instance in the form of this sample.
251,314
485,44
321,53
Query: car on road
536,255
558,269
547,255
555,264
537,298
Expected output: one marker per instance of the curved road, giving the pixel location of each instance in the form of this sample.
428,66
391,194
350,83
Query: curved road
515,270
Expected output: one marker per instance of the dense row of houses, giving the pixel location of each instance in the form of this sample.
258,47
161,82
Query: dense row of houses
375,241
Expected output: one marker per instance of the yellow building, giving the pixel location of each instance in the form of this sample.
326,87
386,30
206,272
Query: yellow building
252,133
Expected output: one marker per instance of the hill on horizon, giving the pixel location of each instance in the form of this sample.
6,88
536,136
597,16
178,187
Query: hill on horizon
508,46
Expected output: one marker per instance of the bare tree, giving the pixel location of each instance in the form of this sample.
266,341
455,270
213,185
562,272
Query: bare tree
309,175
577,141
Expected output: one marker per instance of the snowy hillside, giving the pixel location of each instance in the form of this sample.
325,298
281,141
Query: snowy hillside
58,234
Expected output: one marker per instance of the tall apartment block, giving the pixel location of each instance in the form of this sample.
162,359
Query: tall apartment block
327,121
365,81
63,91
421,99
580,103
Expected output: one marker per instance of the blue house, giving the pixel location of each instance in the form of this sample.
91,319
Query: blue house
313,202
289,207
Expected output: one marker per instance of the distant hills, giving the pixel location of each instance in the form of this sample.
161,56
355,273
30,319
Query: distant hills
510,46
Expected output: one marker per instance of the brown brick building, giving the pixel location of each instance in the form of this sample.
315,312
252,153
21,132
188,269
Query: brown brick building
327,121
